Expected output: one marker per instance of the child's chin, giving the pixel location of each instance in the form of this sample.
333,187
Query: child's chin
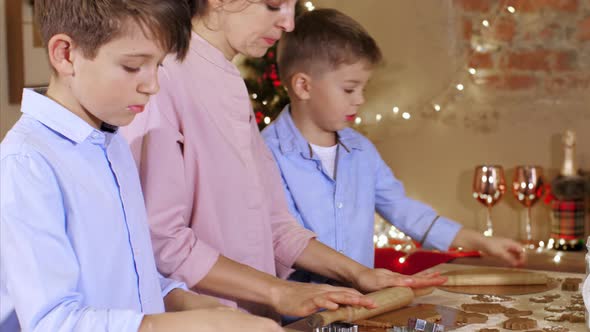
345,125
123,121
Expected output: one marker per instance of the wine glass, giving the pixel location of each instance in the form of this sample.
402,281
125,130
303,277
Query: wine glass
488,187
527,187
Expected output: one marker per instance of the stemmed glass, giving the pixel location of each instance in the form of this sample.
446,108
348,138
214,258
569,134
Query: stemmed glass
488,187
527,187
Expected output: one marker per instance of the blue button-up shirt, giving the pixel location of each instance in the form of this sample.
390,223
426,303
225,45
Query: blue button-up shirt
341,210
75,248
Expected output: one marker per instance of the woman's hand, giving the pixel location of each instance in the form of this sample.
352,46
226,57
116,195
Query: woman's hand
303,299
371,280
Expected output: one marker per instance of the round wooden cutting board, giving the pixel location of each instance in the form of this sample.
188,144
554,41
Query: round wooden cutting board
496,290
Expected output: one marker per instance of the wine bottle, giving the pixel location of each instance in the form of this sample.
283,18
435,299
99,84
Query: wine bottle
569,210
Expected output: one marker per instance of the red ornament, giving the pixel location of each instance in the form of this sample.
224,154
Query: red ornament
259,117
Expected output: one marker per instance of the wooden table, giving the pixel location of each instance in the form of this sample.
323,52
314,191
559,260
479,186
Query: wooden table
454,300
572,261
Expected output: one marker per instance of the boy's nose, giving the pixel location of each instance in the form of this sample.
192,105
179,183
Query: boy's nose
150,86
360,100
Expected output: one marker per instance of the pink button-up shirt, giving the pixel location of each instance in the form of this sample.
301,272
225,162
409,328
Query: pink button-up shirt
211,186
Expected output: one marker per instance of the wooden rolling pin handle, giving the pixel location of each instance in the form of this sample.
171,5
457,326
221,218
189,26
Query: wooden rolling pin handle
386,300
515,278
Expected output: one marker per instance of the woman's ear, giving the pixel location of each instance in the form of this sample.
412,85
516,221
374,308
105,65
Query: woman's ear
301,85
60,49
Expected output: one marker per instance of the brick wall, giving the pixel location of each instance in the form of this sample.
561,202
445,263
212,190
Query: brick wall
527,44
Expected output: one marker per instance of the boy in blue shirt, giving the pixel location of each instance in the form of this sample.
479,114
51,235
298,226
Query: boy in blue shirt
75,248
334,177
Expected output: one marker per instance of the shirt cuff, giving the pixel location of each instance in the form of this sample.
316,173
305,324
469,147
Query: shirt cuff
197,265
167,285
130,323
441,234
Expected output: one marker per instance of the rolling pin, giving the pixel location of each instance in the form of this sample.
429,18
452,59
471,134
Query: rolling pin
498,279
386,299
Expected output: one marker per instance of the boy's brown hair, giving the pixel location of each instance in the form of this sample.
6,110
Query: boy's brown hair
93,23
324,39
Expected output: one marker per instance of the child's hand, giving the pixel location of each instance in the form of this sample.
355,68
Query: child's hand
303,299
208,320
371,280
508,250
229,319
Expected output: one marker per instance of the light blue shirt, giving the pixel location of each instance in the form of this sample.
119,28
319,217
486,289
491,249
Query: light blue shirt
75,250
341,211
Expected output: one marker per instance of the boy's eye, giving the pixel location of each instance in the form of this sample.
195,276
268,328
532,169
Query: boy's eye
130,69
273,8
349,91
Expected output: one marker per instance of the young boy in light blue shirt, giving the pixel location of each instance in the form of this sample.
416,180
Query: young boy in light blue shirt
333,176
75,248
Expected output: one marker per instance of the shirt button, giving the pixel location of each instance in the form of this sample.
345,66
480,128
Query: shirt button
340,205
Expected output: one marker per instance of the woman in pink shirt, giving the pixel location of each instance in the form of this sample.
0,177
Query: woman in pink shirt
217,210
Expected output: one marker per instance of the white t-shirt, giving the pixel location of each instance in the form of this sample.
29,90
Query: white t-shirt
328,157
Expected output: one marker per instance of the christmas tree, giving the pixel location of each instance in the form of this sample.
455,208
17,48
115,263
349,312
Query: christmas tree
267,93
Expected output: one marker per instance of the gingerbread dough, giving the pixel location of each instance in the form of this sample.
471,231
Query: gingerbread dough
472,318
513,312
571,284
519,323
484,308
492,298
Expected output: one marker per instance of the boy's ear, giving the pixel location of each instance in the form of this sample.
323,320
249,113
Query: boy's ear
301,85
61,53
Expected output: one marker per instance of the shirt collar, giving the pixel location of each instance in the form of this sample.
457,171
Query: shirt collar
60,119
291,140
208,52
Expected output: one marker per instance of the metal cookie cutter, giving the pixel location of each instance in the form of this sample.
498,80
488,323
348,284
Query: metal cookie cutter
338,327
422,325
418,325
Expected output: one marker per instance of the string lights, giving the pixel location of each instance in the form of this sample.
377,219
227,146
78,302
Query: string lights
388,236
482,41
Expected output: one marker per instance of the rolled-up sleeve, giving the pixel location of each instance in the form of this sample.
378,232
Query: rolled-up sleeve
41,271
412,217
157,146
